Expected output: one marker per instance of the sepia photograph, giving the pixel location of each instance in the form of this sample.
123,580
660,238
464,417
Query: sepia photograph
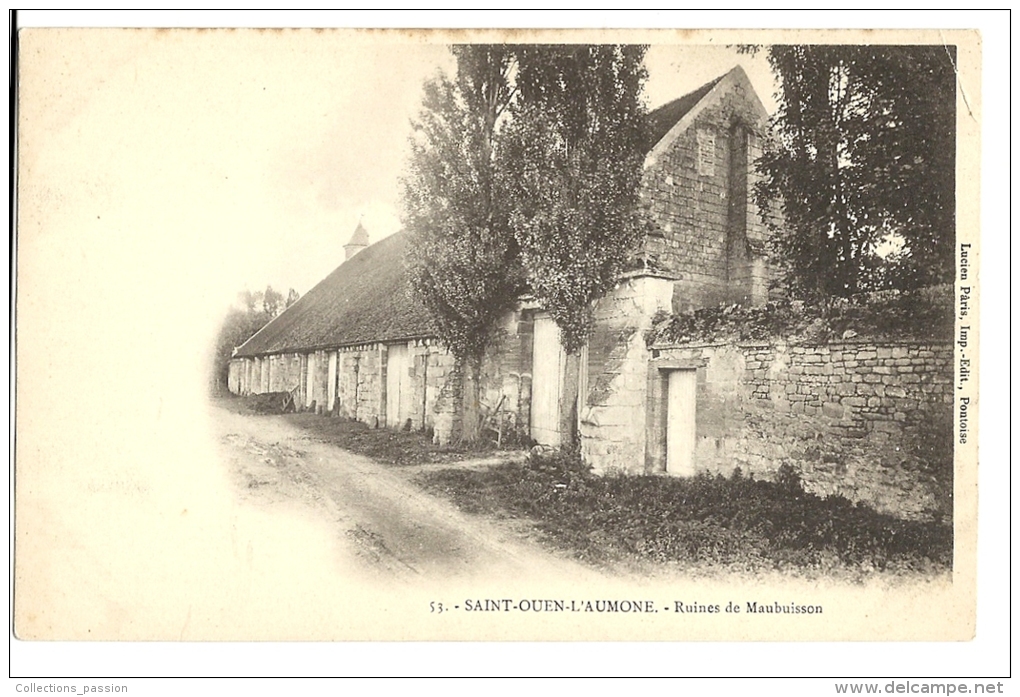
490,335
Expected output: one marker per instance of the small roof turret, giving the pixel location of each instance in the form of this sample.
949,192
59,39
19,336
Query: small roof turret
359,240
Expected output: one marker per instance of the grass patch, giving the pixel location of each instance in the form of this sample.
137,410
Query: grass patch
742,523
384,444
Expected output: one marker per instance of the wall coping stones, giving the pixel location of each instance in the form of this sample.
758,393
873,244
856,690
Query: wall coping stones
855,343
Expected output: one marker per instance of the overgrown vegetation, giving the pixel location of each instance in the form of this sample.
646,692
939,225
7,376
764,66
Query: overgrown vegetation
704,521
861,165
924,314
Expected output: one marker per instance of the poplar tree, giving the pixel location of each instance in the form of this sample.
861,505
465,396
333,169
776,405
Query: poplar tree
574,156
463,259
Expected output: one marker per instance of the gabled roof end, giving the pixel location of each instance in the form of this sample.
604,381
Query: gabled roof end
673,118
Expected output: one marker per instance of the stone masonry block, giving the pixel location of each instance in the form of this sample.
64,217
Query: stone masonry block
833,410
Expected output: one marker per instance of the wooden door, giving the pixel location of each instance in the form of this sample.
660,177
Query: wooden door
396,384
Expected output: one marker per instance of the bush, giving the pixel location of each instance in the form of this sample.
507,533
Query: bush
924,314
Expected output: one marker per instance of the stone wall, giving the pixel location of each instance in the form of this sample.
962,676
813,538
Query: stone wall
360,384
320,381
707,232
868,421
504,382
433,402
612,423
234,376
262,366
505,375
431,366
245,376
284,372
445,417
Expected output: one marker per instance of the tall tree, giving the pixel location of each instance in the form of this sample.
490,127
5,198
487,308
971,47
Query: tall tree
463,259
861,164
575,149
272,302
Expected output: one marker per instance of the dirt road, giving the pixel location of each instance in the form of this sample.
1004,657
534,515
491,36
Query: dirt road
390,526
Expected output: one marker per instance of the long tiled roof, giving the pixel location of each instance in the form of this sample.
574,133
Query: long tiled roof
364,300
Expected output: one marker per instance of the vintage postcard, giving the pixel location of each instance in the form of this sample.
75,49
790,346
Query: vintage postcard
489,335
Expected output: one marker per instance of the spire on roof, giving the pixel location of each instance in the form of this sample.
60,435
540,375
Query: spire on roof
359,240
360,235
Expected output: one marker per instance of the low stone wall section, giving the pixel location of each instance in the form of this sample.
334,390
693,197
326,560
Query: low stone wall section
868,421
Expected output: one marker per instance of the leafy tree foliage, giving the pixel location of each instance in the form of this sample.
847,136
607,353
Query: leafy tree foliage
862,166
523,175
574,154
272,302
463,261
251,312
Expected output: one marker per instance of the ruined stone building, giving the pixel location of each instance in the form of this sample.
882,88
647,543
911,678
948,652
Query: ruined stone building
357,345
